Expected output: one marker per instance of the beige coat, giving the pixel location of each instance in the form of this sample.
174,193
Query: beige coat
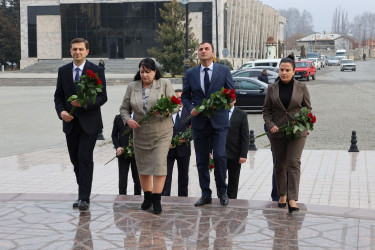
152,139
274,112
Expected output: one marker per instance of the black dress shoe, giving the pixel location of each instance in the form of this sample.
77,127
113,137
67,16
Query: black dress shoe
203,201
75,204
292,209
281,205
224,200
83,205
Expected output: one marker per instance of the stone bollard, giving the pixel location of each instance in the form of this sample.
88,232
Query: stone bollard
252,146
2,68
353,146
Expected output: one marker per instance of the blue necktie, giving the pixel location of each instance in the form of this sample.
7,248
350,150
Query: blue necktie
206,80
177,120
76,78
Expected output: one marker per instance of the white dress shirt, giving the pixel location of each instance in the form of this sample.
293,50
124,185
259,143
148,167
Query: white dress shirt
80,69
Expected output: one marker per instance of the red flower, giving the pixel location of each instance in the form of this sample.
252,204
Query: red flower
211,167
175,100
312,118
308,133
91,74
233,97
98,81
226,91
232,92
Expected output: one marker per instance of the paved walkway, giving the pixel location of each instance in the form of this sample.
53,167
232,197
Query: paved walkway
37,190
37,187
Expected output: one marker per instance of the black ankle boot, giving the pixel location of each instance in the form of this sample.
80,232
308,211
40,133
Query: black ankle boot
156,203
147,203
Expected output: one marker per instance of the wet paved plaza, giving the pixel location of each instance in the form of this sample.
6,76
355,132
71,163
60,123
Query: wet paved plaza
38,188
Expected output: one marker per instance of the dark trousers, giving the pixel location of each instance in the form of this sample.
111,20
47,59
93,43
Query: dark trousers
287,154
123,171
183,175
81,149
234,169
274,193
202,140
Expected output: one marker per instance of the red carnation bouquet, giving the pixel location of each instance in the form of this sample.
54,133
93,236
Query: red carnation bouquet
218,100
211,165
163,106
87,88
304,120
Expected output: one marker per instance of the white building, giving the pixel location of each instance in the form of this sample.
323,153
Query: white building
324,42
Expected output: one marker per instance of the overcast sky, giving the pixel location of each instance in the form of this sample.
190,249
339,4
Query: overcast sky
322,10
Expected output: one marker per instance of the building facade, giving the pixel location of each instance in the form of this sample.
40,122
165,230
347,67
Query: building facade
325,42
127,28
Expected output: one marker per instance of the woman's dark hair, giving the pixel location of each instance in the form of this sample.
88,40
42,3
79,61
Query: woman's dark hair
147,63
289,59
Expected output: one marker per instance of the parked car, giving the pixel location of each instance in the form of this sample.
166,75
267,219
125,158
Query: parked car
305,69
333,61
250,93
347,64
317,63
268,68
254,73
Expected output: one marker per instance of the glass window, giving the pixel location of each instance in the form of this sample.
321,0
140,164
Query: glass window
255,73
246,85
243,74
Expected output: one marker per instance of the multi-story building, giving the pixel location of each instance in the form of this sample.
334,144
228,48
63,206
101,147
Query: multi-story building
127,28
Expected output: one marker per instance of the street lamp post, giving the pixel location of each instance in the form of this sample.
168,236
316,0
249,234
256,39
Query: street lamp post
186,60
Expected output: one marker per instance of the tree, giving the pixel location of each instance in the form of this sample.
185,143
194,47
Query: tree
340,21
298,22
171,38
10,32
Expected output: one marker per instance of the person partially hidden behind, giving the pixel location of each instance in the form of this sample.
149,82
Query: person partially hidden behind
82,128
263,77
200,82
119,141
236,147
181,153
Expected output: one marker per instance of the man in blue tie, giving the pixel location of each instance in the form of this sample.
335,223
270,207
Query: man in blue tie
199,83
82,128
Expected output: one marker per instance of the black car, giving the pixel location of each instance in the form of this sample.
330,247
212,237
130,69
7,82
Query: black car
254,73
250,93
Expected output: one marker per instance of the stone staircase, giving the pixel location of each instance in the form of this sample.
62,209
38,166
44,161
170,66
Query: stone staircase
115,66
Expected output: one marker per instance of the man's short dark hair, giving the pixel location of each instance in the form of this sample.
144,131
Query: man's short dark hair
178,90
80,40
213,50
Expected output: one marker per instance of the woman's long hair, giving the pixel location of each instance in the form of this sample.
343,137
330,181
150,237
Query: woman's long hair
147,63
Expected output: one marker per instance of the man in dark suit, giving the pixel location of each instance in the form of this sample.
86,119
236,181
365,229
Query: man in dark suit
199,83
236,147
181,153
82,128
120,141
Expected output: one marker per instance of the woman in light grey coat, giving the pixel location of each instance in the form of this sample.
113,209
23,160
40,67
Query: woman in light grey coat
153,137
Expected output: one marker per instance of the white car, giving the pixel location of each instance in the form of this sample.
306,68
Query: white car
347,64
317,63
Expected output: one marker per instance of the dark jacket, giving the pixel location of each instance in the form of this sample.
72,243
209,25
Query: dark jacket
89,117
263,78
183,149
118,139
238,135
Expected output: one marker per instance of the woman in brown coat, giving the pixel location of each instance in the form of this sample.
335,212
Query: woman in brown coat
284,98
153,137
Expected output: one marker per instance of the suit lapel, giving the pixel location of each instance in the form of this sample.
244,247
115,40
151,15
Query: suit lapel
153,94
138,94
197,77
214,77
294,93
277,97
